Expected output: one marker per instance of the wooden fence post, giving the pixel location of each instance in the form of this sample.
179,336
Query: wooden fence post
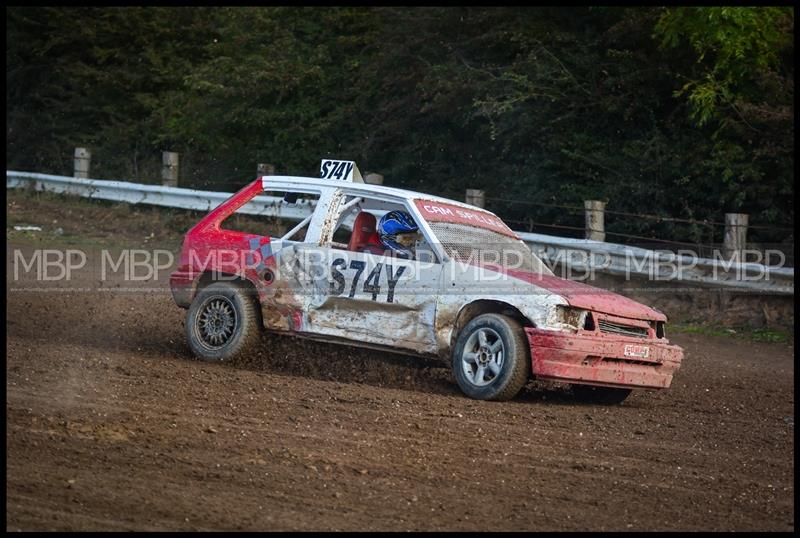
169,168
83,158
265,169
373,178
476,197
735,240
595,219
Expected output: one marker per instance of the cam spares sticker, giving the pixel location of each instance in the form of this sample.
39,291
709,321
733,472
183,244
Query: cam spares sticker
442,212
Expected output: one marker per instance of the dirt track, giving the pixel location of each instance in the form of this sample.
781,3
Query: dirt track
111,424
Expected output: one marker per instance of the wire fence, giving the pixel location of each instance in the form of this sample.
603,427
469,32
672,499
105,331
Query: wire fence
659,218
708,234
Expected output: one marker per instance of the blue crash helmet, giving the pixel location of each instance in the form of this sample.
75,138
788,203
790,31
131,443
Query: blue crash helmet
393,223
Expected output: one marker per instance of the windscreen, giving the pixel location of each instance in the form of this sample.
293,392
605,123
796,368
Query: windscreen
474,236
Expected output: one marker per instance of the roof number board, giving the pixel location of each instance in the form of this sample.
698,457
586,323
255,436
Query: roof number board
340,170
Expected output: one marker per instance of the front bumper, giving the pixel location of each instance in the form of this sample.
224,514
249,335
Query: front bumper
593,358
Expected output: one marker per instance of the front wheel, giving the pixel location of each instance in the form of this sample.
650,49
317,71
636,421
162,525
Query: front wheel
491,358
600,395
223,322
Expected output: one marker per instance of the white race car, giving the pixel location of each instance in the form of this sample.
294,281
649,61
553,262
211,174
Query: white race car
472,292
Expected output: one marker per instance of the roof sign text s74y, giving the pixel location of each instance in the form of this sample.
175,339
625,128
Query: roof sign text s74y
340,170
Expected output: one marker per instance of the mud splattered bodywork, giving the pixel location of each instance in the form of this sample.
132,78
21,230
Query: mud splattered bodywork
468,263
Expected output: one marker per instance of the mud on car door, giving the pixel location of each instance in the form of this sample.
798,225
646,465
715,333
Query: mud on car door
377,299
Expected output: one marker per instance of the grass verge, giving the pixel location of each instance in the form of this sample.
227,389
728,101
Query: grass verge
753,334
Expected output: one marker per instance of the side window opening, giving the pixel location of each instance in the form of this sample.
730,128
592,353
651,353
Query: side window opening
343,231
285,211
363,214
341,237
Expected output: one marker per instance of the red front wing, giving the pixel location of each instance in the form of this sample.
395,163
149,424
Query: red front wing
597,358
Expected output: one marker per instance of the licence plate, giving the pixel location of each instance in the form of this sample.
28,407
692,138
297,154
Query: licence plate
641,352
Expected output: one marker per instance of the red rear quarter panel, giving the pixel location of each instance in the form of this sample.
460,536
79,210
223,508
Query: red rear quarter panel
209,248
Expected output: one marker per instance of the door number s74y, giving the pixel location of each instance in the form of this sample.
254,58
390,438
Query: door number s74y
372,283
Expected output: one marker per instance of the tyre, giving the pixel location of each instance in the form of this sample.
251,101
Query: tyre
491,358
600,395
223,322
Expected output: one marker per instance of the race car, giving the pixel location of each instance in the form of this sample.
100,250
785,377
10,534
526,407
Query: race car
467,290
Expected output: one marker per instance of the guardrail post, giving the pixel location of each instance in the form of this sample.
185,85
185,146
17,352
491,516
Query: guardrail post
595,219
265,169
475,197
735,235
83,158
169,168
373,178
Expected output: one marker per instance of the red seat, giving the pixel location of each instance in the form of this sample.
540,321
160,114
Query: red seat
364,236
374,246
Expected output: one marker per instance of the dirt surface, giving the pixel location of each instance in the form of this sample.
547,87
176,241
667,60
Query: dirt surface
113,425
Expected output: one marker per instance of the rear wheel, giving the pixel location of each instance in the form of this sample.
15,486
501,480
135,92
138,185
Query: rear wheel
490,358
223,322
600,395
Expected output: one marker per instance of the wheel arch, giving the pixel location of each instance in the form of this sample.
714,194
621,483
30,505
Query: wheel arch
476,308
211,277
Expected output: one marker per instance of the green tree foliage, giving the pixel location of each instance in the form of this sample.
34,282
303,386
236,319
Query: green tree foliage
734,46
95,77
741,85
277,88
682,111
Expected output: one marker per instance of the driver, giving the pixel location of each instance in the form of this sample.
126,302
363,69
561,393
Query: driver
398,233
